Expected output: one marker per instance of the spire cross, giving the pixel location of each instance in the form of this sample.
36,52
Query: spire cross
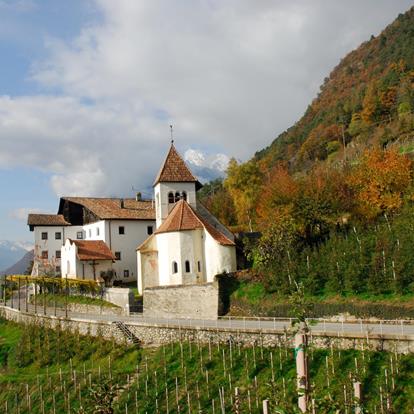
171,130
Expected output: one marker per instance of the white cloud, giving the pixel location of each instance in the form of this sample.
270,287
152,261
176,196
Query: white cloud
21,213
229,74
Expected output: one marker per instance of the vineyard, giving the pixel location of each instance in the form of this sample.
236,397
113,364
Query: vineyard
53,371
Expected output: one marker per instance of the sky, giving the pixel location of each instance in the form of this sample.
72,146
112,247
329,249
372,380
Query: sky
88,88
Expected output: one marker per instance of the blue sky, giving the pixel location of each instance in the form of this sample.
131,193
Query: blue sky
88,88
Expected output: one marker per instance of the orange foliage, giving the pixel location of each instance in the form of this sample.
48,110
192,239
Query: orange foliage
315,147
278,192
379,182
388,98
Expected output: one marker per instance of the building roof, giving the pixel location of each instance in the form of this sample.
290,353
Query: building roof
175,170
183,217
46,220
115,208
93,250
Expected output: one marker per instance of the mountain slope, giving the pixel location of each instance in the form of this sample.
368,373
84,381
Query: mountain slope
20,267
11,252
370,91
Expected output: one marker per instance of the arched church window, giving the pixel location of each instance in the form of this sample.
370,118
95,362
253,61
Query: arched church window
187,266
174,267
177,196
184,195
170,198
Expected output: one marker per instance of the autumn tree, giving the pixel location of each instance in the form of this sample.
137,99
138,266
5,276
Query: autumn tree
243,183
379,182
276,200
218,201
317,144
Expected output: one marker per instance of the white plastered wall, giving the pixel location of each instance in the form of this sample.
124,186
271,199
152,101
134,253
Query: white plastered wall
218,258
51,245
161,191
147,265
178,247
135,233
69,260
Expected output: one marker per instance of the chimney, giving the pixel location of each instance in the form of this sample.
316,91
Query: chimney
122,203
138,196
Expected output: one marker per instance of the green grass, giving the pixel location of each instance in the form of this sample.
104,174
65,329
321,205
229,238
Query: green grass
61,300
250,298
46,363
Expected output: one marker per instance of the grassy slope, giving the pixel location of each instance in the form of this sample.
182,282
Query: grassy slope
247,368
80,299
251,299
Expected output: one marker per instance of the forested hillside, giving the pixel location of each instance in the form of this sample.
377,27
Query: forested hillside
333,195
365,100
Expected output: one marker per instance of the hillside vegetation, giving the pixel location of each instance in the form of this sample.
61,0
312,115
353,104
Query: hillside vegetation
333,195
47,371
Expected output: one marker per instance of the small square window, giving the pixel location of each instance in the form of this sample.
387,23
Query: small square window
44,235
118,255
97,231
45,254
57,254
150,230
126,273
79,235
58,269
121,229
58,235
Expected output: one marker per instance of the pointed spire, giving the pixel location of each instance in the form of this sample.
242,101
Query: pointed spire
172,139
175,170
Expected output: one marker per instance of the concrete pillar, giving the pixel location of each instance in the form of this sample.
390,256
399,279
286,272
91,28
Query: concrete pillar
301,371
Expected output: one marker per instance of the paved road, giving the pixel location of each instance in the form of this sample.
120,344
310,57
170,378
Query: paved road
399,328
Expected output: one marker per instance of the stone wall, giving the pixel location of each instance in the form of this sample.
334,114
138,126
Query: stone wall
200,301
85,327
94,309
122,297
158,334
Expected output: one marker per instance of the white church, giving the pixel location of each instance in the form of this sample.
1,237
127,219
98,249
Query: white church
189,245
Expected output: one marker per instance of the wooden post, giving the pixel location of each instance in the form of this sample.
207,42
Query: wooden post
44,297
266,407
18,293
237,400
11,298
27,294
301,370
35,296
357,397
66,296
54,298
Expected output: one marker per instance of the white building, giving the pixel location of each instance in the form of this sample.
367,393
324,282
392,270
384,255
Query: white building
189,244
120,223
50,233
86,259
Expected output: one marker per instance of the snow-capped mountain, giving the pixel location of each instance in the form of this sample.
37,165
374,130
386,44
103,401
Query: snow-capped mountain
206,167
12,251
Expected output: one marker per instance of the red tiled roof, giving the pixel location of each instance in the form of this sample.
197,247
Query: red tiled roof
93,250
183,217
112,208
174,169
46,220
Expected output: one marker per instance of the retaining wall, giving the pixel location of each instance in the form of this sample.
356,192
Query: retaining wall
199,301
158,334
